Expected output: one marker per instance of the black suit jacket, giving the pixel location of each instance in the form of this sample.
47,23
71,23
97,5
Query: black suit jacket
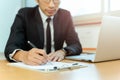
28,25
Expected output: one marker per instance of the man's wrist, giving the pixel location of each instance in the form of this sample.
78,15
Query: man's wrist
13,53
64,51
19,56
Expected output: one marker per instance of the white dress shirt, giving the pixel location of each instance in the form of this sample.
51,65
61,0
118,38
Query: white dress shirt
44,17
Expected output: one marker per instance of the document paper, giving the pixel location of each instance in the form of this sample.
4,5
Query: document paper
50,66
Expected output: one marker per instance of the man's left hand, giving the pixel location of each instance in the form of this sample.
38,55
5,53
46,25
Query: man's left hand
56,56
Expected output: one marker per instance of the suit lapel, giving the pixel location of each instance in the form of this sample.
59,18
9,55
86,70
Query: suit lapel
39,25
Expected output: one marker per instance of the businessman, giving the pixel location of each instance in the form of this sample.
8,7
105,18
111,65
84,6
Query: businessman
47,27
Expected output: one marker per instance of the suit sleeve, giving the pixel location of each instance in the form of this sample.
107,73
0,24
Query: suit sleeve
73,43
17,36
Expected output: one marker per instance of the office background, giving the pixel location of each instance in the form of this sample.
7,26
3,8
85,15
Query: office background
87,19
8,9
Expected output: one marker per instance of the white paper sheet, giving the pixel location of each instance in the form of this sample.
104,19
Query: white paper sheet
50,66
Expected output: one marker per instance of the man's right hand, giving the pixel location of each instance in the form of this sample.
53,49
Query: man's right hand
32,57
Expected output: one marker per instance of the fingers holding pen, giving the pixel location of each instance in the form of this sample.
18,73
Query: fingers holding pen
41,55
36,56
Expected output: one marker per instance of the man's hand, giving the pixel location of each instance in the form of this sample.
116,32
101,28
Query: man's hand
57,56
32,57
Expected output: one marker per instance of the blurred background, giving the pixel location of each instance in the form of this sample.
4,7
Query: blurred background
87,16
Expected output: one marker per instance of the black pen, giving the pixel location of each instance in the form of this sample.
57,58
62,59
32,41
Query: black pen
33,46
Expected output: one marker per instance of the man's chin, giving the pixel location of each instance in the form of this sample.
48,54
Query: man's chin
50,15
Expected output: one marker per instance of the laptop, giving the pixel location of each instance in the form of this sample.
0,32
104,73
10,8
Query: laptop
108,46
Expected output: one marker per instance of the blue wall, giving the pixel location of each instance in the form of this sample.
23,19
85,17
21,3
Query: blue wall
8,9
30,3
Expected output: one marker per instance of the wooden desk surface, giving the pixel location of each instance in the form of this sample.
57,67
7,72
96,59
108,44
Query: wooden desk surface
95,71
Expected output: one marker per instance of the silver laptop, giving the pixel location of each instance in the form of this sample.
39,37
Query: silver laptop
108,47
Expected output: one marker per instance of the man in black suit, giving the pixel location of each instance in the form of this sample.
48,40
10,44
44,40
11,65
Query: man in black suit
30,25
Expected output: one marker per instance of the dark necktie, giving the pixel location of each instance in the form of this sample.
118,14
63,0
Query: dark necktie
48,36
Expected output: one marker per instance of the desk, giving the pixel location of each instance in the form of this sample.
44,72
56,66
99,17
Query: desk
95,71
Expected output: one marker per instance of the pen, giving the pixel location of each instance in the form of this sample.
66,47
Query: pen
32,45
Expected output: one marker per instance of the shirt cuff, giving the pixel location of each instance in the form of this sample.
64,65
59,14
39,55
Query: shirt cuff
12,54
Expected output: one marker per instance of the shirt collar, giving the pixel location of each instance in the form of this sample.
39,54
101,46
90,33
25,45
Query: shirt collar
43,16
